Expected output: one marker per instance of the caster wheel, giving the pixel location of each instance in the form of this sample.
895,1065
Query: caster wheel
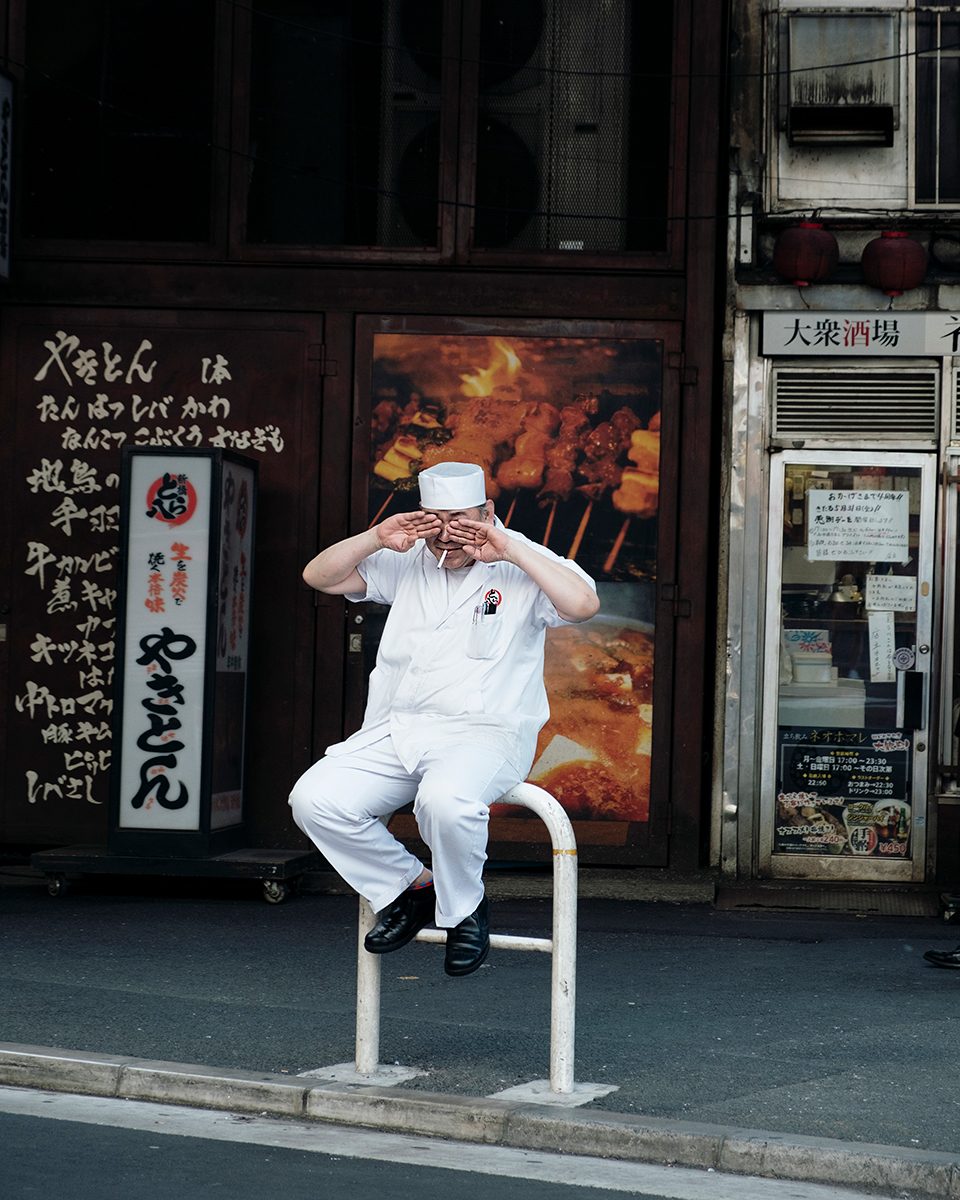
57,885
275,891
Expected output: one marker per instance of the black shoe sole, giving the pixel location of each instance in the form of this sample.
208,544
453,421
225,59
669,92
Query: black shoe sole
475,965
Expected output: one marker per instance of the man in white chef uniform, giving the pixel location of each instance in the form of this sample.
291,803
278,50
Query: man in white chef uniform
456,701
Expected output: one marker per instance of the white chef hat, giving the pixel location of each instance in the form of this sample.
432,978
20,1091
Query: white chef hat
452,485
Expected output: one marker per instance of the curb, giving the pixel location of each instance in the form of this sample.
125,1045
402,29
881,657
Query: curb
490,1121
592,884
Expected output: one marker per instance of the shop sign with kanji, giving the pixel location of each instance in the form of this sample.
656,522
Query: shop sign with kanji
859,335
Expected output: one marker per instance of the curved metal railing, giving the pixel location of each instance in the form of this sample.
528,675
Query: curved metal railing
562,946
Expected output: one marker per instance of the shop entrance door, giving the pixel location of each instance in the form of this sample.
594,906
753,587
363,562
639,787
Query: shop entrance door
847,665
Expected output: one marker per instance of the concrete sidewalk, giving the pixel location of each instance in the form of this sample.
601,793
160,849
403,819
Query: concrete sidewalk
807,1046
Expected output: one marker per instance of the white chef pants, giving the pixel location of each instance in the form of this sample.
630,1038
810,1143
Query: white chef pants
338,803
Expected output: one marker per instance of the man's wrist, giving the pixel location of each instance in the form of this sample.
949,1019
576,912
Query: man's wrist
512,546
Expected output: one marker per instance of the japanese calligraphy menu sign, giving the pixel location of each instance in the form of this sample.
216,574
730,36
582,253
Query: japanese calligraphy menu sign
843,791
233,595
187,521
80,390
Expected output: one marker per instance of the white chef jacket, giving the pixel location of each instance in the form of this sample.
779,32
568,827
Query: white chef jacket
461,655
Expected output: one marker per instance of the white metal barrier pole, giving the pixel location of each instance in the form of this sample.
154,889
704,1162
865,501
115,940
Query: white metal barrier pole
368,997
562,946
563,987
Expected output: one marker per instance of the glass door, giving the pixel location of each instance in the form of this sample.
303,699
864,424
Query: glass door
847,665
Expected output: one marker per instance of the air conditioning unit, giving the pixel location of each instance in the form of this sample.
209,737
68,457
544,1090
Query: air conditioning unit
552,128
836,115
552,169
842,80
410,126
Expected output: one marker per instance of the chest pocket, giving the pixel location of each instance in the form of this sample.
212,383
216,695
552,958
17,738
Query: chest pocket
483,639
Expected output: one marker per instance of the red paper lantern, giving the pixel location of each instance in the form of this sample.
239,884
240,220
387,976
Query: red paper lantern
805,253
894,262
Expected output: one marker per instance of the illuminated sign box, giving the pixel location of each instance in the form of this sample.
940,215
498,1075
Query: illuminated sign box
187,520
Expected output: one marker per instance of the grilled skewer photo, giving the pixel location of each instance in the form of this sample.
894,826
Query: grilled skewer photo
543,434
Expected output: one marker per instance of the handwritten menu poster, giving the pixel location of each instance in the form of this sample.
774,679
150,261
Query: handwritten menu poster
82,393
847,525
891,593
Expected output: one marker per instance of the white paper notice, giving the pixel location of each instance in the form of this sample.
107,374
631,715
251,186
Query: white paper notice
882,646
892,593
864,525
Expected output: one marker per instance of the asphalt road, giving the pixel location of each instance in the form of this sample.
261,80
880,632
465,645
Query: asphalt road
806,1023
91,1148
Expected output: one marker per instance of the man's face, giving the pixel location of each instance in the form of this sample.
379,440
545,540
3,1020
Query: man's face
443,541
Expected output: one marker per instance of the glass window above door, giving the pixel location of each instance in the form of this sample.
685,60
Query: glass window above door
118,110
511,125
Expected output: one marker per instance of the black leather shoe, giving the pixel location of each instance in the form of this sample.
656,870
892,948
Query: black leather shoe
401,921
468,943
944,958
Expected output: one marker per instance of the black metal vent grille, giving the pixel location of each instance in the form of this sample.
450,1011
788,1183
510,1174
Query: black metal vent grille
847,406
573,129
955,431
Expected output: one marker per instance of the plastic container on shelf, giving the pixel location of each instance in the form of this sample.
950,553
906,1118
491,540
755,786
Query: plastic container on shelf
841,703
812,667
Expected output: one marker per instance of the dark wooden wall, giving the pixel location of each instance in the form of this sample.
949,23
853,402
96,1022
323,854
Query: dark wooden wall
287,323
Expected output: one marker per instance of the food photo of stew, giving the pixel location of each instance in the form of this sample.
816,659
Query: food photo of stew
593,754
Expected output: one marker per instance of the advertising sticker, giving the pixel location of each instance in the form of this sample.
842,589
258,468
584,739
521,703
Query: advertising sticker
843,791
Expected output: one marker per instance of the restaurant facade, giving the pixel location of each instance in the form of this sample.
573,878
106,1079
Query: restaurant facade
322,246
839,736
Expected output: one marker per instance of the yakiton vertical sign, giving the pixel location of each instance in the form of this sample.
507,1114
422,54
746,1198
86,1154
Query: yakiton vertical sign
188,526
164,646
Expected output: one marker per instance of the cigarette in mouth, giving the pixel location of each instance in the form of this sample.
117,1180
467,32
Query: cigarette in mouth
442,557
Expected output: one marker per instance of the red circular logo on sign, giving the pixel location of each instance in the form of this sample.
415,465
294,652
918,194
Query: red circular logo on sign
171,499
493,597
